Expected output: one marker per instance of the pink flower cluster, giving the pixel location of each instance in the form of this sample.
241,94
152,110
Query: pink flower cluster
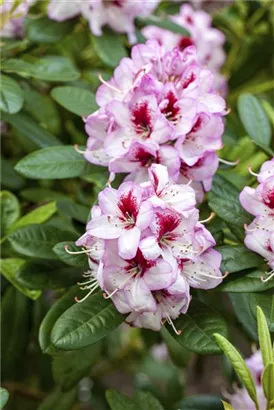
14,27
117,14
240,400
146,248
207,40
159,107
260,203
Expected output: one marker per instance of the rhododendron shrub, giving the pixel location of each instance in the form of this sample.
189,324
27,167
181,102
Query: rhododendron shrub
136,205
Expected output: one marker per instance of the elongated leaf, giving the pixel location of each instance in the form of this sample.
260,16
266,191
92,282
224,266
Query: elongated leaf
40,274
76,100
4,397
10,210
31,130
37,195
119,401
264,338
37,240
197,328
59,400
37,216
75,211
237,258
239,366
268,381
254,119
242,309
9,178
245,283
266,303
201,402
46,31
70,367
11,96
51,317
81,261
227,406
164,23
146,401
109,48
9,268
15,320
53,163
85,323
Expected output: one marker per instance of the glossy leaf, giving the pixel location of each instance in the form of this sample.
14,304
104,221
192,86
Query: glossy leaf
266,303
10,210
72,260
76,100
242,309
85,323
4,397
109,48
197,328
201,402
37,216
254,119
9,268
9,178
239,366
53,163
11,95
75,211
264,338
46,31
237,258
268,381
245,283
37,240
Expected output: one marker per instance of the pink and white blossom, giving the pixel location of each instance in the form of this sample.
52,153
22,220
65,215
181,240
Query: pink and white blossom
14,17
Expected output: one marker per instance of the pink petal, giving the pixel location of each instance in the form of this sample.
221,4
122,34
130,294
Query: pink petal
128,242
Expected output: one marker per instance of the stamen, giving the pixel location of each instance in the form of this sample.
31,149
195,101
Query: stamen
249,229
85,297
86,251
78,150
211,216
109,295
271,273
189,182
223,161
169,321
251,172
213,276
108,84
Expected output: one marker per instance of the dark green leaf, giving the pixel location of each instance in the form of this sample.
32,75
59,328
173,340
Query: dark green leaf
9,178
81,261
59,400
242,310
37,240
4,396
197,328
10,210
47,31
53,163
76,100
266,303
264,338
164,23
76,211
70,367
109,48
201,402
9,268
254,119
85,323
245,283
146,401
42,274
119,401
37,195
31,130
12,95
237,258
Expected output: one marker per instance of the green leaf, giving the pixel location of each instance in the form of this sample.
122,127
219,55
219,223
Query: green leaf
266,303
31,130
85,323
239,366
10,210
59,400
245,283
201,402
268,382
12,95
164,23
81,261
254,119
37,195
146,401
53,163
75,99
9,268
70,367
73,210
242,309
197,328
227,406
109,48
37,240
119,401
4,396
37,216
45,31
9,178
15,321
237,258
66,301
264,338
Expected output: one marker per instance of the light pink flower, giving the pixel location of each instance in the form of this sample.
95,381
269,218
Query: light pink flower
14,26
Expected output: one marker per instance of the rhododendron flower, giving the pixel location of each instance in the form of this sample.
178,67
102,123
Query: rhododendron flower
208,40
117,14
159,108
260,203
13,17
146,248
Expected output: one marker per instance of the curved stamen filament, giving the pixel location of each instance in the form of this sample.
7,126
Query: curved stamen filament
232,164
76,147
109,295
271,273
86,251
88,294
211,216
108,84
213,276
170,322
